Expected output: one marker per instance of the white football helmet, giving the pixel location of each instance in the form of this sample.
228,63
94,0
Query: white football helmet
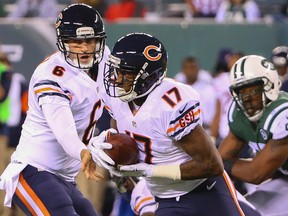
250,70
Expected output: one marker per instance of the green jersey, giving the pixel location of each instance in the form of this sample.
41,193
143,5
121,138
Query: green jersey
273,124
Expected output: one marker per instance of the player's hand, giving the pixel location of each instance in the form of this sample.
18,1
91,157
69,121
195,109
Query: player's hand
98,155
97,145
114,172
124,184
89,166
103,136
137,170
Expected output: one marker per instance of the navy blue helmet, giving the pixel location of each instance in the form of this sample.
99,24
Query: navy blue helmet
139,54
78,22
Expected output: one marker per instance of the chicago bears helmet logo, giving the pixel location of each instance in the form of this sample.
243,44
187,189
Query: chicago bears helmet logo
148,56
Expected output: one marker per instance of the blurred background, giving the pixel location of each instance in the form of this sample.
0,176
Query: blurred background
29,36
203,38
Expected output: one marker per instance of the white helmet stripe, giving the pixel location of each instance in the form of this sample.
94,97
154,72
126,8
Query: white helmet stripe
240,72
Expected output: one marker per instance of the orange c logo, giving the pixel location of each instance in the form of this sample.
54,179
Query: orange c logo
148,56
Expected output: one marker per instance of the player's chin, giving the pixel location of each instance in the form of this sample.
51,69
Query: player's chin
85,60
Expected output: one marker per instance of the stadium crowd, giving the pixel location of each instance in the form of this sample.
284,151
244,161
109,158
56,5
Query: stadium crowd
226,95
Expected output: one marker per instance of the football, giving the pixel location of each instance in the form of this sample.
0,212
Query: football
124,150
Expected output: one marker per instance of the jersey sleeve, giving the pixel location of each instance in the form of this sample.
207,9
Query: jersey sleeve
279,127
142,200
185,116
50,92
61,122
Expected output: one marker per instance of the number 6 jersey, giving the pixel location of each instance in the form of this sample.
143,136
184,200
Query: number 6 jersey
44,143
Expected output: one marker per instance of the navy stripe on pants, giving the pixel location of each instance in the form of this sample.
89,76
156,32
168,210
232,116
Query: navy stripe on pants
58,196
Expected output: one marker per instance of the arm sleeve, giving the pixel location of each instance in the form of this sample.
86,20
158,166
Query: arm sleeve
279,127
61,122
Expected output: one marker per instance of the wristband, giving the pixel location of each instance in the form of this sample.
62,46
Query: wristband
167,171
228,165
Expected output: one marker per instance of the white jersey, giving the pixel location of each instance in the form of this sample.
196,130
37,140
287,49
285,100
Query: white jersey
170,112
203,85
57,83
221,85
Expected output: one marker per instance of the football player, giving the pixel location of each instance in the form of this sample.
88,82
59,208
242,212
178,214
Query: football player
258,117
63,108
180,163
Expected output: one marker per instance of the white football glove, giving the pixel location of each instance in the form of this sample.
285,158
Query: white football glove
137,170
103,136
97,145
99,156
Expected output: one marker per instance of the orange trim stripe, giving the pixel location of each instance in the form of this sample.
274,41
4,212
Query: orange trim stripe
231,189
32,194
143,200
106,107
173,128
178,125
22,198
49,89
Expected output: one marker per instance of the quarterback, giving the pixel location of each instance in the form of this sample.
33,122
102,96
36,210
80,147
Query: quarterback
63,108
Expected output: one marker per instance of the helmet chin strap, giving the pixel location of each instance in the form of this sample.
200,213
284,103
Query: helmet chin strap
125,97
82,65
255,117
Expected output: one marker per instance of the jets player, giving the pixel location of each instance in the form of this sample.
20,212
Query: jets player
182,166
258,117
63,108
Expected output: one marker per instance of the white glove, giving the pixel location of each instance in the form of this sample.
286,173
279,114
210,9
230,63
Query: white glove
113,172
103,136
96,146
98,154
138,170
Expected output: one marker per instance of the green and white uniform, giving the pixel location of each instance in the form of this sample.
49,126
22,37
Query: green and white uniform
269,196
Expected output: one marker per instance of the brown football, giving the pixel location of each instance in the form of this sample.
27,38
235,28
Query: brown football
124,150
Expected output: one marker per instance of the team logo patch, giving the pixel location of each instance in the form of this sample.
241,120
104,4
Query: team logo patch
265,63
263,134
147,54
187,119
